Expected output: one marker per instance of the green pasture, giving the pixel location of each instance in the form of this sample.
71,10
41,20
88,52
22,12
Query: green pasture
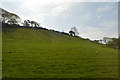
38,53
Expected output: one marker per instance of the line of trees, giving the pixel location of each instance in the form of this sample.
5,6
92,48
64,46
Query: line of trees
110,42
31,23
13,19
9,18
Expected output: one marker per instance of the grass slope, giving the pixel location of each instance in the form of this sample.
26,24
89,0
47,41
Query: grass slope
33,53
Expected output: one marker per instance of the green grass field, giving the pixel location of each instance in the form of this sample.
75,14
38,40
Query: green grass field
33,53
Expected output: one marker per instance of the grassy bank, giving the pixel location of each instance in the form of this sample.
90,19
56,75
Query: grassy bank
38,53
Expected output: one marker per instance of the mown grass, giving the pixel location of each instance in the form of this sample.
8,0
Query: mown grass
33,53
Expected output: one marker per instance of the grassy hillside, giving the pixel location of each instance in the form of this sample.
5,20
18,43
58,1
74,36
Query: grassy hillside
38,53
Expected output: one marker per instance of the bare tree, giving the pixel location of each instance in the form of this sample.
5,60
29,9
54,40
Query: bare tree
72,33
74,29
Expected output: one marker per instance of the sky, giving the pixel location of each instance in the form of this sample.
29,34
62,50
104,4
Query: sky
94,19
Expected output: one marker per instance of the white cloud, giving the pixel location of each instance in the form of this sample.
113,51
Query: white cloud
87,16
109,24
106,29
35,10
61,7
103,8
91,32
34,6
110,28
39,10
98,16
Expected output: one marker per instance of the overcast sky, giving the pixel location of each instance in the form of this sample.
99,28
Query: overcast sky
94,20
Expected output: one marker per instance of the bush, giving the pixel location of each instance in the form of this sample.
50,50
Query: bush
115,43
